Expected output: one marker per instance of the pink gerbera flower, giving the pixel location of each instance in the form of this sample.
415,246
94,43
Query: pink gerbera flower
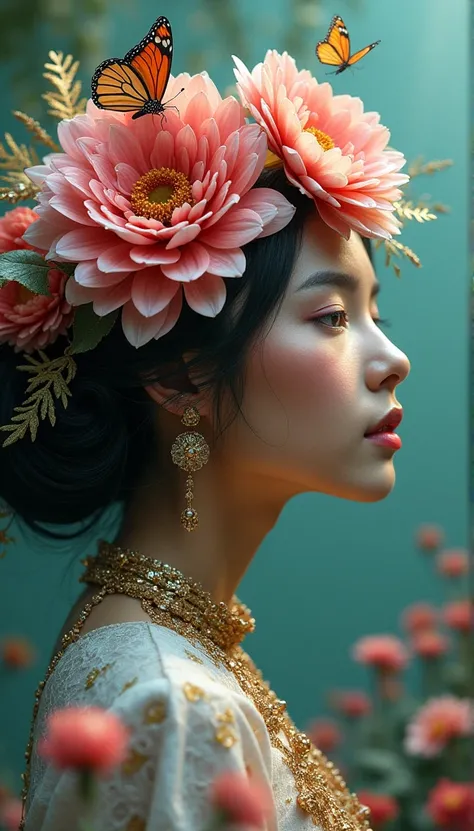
152,206
438,722
384,652
330,148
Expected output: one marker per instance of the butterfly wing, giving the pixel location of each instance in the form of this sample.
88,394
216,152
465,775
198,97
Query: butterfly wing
117,86
327,54
338,38
357,56
151,58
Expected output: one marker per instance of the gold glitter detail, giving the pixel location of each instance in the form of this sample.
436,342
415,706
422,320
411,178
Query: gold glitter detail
155,713
226,737
95,674
227,717
128,685
288,800
193,693
134,762
191,417
173,600
193,657
190,452
156,194
324,140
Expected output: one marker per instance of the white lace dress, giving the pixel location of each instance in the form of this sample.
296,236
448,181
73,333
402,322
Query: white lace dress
189,721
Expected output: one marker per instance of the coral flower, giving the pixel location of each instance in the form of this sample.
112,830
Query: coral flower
385,652
430,644
12,227
17,652
383,808
437,723
85,738
459,615
352,703
451,805
31,321
429,537
11,814
453,562
419,617
154,206
240,801
324,734
330,148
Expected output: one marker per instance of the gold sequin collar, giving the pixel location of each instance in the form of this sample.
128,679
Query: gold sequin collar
123,571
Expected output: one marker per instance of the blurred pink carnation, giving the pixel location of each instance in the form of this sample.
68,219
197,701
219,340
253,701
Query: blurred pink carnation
385,652
430,644
436,723
453,562
429,537
459,615
325,734
152,206
419,617
330,148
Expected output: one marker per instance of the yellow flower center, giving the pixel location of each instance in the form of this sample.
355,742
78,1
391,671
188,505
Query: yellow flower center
156,194
323,139
438,730
453,801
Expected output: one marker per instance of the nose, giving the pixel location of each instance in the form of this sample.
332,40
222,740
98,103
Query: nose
388,370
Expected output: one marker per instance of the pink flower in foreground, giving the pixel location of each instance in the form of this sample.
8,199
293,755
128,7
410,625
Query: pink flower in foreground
330,148
385,652
451,805
459,615
430,644
87,738
383,808
11,814
241,801
429,537
453,562
419,617
12,227
151,207
324,734
31,321
436,723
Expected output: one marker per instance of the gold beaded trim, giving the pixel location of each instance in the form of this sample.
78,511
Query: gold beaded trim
174,601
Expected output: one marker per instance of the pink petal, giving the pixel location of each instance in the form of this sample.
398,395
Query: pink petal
87,274
206,295
108,300
116,258
79,179
78,295
82,244
235,229
72,207
184,235
127,177
153,255
228,263
122,147
285,210
198,110
140,330
152,291
193,262
163,152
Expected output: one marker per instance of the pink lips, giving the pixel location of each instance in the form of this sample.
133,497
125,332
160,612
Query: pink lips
383,433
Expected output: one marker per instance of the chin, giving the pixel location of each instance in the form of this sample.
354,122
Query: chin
372,488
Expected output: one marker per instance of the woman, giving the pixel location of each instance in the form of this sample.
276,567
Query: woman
204,419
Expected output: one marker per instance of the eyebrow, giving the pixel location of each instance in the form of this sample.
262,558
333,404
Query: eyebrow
336,278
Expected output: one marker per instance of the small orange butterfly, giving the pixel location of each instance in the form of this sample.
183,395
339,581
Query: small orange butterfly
137,82
335,49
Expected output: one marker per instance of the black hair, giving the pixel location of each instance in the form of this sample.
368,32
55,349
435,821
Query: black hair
98,449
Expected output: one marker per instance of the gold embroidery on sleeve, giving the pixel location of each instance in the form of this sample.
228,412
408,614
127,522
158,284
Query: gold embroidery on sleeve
95,674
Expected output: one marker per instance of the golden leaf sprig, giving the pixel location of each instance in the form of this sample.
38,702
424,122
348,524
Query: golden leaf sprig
407,210
39,133
420,168
47,375
14,158
64,101
393,248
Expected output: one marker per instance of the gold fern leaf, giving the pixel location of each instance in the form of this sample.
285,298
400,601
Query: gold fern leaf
418,168
14,158
40,404
37,130
407,210
64,101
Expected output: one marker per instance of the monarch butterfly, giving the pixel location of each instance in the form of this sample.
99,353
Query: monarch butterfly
138,82
335,49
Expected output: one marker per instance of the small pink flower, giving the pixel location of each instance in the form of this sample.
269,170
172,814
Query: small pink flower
33,321
17,652
430,644
437,723
11,814
154,210
383,808
241,801
324,734
451,805
419,617
453,562
353,703
459,615
330,149
385,652
429,537
87,738
12,227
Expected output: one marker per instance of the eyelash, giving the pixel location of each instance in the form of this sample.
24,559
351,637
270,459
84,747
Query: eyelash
377,320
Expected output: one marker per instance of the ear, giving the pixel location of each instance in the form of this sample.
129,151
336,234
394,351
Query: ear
180,393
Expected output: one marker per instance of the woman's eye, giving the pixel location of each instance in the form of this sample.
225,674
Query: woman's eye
334,320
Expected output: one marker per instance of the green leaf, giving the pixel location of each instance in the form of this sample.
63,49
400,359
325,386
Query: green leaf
68,268
89,329
25,267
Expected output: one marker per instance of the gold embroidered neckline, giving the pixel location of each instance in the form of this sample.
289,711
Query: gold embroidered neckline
172,600
128,572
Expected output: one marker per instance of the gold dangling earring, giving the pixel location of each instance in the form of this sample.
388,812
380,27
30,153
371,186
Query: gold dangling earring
190,452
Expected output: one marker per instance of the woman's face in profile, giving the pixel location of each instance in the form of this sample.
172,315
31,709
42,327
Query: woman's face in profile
322,375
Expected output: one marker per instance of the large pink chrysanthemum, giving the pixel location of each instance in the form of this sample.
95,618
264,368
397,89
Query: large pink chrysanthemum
152,206
331,149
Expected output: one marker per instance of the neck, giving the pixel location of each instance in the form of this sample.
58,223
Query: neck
236,507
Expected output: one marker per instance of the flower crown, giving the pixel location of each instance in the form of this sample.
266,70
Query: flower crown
137,214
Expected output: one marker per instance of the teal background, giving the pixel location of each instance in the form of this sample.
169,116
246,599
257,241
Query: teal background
331,571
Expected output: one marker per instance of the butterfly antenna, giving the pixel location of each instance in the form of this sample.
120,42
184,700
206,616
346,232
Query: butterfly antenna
174,96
